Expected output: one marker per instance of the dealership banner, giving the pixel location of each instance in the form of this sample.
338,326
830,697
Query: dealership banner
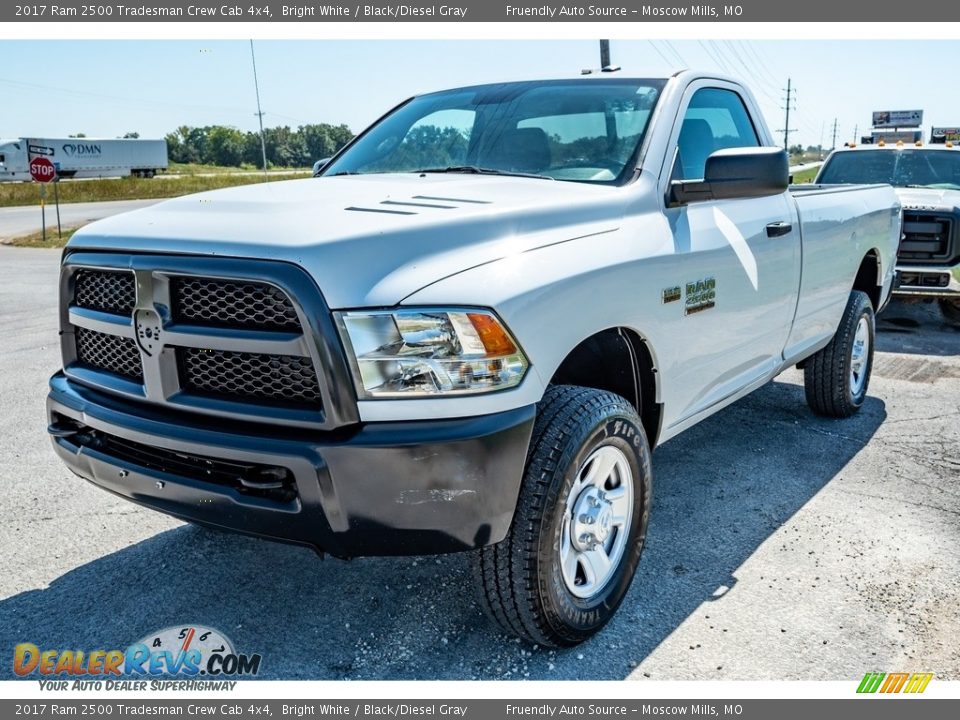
217,709
74,11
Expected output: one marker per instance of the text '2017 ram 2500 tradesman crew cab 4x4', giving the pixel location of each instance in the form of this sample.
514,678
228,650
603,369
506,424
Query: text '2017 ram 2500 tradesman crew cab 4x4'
927,181
469,331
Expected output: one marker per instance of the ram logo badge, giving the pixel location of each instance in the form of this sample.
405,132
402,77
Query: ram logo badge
701,295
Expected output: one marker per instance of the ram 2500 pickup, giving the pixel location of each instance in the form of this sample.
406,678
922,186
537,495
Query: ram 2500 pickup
927,181
469,330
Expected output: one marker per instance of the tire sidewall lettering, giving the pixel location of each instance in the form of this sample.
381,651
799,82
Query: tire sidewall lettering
627,435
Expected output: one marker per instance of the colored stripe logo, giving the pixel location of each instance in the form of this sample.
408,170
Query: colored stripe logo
894,683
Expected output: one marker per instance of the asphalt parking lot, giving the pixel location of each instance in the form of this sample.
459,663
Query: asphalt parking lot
781,545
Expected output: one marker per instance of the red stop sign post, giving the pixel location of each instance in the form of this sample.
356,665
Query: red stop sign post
44,171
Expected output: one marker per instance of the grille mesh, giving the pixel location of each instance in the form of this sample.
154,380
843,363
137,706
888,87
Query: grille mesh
284,378
225,303
109,352
105,290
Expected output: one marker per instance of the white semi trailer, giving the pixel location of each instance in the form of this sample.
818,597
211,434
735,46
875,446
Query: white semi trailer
83,157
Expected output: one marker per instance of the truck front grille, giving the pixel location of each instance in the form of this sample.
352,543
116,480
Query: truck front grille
109,352
281,378
231,304
211,336
927,237
106,290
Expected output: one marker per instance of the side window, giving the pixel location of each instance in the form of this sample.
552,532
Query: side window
715,119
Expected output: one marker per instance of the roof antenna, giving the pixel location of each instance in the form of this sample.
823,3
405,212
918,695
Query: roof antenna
605,65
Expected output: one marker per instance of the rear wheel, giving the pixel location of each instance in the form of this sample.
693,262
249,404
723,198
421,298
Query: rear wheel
836,378
950,307
581,519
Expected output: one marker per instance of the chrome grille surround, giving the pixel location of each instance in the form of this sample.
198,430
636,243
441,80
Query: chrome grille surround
299,377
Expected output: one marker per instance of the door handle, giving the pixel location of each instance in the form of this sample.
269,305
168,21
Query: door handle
778,229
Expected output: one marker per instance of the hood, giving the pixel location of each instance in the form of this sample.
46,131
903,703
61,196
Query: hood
368,240
928,198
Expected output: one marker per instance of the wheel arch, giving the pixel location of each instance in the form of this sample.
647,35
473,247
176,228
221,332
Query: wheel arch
619,360
869,277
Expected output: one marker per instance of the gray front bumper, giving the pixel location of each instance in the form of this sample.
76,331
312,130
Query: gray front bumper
920,281
400,488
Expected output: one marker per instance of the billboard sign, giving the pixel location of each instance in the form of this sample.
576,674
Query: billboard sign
897,118
945,134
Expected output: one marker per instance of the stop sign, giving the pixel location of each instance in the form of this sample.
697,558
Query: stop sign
42,170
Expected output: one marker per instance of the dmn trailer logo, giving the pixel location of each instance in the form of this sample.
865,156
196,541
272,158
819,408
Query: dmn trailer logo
81,149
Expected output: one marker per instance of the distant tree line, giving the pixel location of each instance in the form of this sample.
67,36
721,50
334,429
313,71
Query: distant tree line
222,145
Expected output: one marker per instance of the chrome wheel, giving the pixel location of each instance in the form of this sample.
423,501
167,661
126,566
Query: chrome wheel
859,356
596,522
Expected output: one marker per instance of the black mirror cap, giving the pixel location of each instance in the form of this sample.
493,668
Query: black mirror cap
737,173
747,172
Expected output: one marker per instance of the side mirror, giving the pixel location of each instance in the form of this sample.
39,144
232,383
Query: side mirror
320,165
737,173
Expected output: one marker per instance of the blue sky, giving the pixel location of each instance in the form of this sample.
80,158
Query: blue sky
106,88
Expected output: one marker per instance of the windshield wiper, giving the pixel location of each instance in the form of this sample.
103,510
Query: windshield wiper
476,170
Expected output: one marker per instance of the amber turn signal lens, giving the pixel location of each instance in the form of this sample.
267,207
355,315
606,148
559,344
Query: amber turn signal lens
494,338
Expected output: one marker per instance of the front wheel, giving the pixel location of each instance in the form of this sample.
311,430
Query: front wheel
950,307
836,378
581,519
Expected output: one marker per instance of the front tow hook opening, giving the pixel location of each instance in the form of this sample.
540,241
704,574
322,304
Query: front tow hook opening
63,429
271,478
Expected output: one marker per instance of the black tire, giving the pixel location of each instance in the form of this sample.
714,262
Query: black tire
522,585
950,307
828,376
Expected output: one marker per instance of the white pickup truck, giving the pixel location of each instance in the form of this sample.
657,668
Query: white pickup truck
469,331
927,181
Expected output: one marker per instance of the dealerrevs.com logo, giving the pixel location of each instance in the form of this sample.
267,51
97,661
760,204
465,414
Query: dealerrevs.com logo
185,651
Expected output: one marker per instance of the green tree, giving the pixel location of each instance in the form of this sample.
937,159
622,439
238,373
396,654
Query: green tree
225,146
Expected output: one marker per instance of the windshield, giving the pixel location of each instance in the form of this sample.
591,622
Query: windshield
584,131
902,168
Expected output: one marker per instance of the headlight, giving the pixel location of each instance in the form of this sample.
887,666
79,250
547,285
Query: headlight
416,353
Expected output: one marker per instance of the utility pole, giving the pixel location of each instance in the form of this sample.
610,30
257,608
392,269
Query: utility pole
604,53
791,93
259,113
855,128
833,146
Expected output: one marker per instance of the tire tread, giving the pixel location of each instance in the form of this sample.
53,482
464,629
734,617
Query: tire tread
506,572
826,374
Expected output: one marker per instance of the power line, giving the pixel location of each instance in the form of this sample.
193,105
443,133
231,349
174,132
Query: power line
664,57
761,63
715,54
683,61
